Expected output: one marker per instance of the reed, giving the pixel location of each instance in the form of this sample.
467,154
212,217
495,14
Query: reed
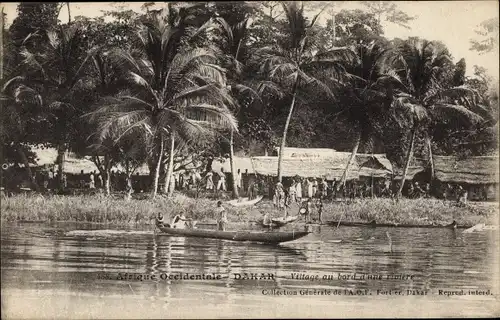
411,211
102,209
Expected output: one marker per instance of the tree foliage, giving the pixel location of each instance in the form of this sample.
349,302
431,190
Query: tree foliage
165,86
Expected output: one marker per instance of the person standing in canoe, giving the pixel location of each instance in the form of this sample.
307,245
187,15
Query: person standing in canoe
279,196
308,210
320,210
221,216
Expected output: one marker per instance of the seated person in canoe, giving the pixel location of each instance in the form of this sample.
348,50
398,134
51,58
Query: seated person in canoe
160,220
266,221
178,222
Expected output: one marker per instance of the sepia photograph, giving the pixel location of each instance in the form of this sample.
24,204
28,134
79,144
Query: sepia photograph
249,159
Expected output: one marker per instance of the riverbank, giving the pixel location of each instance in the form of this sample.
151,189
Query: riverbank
112,210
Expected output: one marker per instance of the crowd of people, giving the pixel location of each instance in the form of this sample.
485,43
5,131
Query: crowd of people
292,190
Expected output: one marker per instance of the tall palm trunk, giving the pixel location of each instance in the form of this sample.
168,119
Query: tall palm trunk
129,186
334,33
2,26
355,148
107,181
285,131
128,180
61,158
69,12
170,167
157,169
431,158
235,193
408,159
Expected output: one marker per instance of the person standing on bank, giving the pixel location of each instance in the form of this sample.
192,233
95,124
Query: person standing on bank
309,185
324,189
210,180
238,180
99,179
221,216
222,180
92,181
298,191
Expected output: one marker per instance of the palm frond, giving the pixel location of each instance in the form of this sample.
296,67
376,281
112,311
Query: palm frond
311,80
282,70
10,81
408,110
216,115
462,111
344,54
271,88
26,94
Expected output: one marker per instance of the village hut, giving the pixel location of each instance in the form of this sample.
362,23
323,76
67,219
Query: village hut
330,168
375,170
374,165
290,152
478,175
244,164
306,167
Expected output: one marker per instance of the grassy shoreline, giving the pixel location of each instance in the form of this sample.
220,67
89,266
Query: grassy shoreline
109,210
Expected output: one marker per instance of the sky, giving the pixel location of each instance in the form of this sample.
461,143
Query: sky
452,22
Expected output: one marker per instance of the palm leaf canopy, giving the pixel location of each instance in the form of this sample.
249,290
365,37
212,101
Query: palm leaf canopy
425,67
296,56
173,86
368,91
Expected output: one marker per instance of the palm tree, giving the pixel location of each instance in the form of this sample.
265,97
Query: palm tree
60,74
177,92
17,116
427,96
21,104
366,97
233,41
295,64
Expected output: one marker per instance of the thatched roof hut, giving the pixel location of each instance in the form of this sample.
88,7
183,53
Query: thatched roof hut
473,170
307,167
323,163
307,152
376,165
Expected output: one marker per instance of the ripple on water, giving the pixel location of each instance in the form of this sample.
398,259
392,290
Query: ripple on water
56,260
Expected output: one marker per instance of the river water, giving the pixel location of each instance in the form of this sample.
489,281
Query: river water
82,271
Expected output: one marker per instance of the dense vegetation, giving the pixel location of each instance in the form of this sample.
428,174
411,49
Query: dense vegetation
198,80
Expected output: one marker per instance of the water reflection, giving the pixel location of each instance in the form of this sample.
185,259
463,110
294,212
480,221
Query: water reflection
55,259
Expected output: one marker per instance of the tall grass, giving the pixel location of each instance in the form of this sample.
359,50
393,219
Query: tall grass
411,211
102,209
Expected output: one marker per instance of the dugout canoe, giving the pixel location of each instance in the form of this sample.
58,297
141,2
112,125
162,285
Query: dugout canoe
374,224
243,202
278,222
252,236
